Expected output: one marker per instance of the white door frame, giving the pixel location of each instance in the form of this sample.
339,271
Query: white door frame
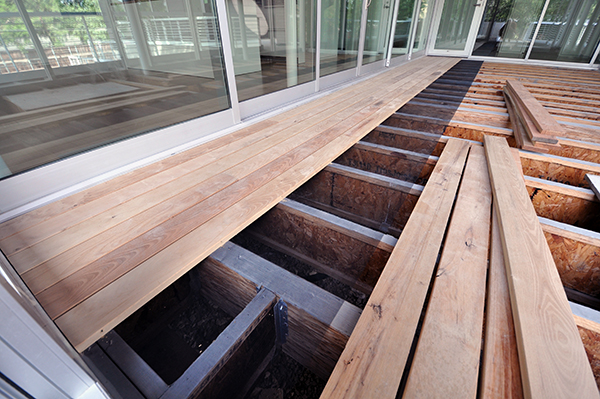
473,30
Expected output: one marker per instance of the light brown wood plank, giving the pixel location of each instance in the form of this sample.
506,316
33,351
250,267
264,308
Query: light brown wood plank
446,360
373,360
547,337
500,372
85,323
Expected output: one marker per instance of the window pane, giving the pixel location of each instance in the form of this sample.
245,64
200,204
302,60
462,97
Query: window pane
340,31
423,25
115,70
570,31
273,44
457,16
378,30
403,27
507,28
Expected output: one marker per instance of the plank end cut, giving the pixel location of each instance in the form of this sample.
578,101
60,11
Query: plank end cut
551,354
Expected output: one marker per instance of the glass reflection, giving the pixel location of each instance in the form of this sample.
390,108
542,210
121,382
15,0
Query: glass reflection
340,31
569,32
422,26
91,72
273,44
377,34
403,27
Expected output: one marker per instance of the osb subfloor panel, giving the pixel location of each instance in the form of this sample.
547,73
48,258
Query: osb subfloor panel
95,257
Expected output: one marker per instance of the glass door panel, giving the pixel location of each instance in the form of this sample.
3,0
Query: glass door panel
455,24
273,44
507,28
340,32
423,21
378,30
569,32
403,27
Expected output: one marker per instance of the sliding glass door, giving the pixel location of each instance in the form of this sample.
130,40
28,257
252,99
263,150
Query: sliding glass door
454,31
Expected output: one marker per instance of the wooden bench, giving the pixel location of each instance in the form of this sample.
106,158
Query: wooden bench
95,257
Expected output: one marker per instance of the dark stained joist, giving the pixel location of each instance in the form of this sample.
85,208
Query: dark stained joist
319,322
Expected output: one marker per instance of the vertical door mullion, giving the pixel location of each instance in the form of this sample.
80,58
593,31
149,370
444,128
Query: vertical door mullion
318,48
595,56
434,26
413,28
392,33
363,31
537,29
228,58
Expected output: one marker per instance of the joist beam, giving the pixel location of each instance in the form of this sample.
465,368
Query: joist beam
373,361
319,322
348,252
224,368
373,200
389,161
558,169
567,204
447,356
576,253
547,337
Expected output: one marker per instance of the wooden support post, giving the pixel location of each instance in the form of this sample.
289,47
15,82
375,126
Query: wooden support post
223,368
319,322
547,337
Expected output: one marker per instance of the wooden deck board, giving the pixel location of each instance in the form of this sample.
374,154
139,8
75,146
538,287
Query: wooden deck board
96,257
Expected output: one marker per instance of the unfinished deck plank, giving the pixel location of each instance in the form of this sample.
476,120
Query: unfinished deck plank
500,372
446,360
68,292
102,311
373,360
547,337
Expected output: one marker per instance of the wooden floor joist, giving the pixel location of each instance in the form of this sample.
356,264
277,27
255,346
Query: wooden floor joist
380,202
540,311
347,251
319,322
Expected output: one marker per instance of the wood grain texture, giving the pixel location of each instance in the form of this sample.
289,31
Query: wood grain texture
500,372
86,322
546,334
373,360
446,360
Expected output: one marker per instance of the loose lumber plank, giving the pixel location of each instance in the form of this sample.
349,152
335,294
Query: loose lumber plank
319,322
500,372
373,360
547,337
214,360
446,360
529,109
86,322
594,182
521,137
